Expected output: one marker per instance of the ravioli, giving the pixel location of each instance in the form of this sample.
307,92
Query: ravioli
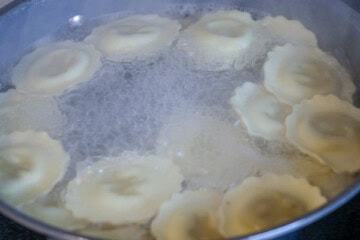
218,39
31,163
126,189
55,214
260,111
52,69
190,215
134,37
289,31
259,203
295,73
328,129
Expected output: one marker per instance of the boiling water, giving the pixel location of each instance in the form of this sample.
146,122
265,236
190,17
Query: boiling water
145,106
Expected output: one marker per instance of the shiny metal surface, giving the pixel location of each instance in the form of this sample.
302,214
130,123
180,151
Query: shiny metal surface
330,17
3,3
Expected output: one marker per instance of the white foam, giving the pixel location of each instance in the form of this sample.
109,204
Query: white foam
20,112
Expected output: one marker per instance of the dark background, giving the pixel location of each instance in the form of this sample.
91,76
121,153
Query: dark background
343,224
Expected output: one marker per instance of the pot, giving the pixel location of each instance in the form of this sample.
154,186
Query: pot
336,25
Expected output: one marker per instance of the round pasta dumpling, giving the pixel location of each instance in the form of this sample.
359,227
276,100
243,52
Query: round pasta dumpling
31,163
289,31
295,73
134,37
54,214
259,203
218,38
56,67
190,215
328,129
126,189
260,111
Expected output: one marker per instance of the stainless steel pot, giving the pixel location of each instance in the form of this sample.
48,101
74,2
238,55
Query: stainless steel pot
336,25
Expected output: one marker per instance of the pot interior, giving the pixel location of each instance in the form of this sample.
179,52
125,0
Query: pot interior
33,23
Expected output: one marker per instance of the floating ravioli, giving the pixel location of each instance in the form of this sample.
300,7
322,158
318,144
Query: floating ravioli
190,215
218,39
134,37
265,202
260,111
328,129
294,73
20,112
54,214
51,69
126,189
290,31
31,163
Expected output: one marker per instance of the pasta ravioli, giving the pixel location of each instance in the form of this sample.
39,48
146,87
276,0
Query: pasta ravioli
31,163
259,203
134,37
54,68
296,73
289,31
190,215
260,111
121,190
328,129
54,214
218,38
